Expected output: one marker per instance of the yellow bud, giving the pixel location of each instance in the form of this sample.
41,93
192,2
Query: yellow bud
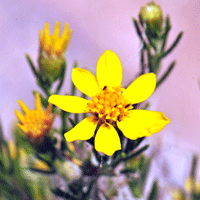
13,149
152,15
41,165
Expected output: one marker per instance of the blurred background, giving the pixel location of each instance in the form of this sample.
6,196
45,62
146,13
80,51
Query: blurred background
98,26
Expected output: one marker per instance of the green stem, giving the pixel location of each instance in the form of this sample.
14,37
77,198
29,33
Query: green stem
142,61
61,78
138,31
64,116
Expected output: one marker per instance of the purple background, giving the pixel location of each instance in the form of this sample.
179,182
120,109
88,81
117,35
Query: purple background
97,26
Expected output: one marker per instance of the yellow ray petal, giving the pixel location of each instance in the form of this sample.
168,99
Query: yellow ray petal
142,123
56,30
82,131
107,140
38,103
141,89
109,70
23,128
66,31
19,116
85,81
71,104
46,30
23,106
40,35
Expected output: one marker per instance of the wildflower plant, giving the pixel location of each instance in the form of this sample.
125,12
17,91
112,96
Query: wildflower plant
115,121
111,108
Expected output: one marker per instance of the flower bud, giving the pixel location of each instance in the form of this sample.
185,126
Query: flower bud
152,15
52,48
51,68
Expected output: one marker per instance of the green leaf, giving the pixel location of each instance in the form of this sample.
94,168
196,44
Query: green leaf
73,123
165,34
154,192
132,144
32,65
172,46
194,167
135,188
166,74
1,137
62,77
138,152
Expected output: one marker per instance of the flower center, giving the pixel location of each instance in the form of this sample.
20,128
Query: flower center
109,105
36,122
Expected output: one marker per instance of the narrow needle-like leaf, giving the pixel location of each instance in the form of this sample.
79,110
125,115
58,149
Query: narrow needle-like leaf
165,74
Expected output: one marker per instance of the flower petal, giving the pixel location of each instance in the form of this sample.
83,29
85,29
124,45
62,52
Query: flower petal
82,131
22,127
142,123
20,116
107,140
109,70
38,103
23,106
141,89
71,104
85,81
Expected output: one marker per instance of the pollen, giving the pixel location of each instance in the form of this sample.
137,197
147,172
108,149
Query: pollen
109,105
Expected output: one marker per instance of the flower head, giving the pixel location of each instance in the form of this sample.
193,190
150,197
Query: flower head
111,105
52,48
35,123
54,45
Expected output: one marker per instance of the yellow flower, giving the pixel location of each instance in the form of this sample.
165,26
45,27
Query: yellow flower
54,45
35,123
111,105
52,48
